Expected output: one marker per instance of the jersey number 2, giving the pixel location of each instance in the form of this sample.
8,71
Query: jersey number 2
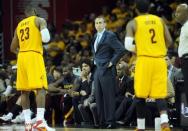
24,34
152,32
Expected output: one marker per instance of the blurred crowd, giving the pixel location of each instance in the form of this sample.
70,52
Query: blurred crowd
70,99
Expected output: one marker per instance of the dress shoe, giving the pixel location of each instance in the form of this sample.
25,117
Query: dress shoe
102,126
96,126
86,125
120,122
110,126
123,123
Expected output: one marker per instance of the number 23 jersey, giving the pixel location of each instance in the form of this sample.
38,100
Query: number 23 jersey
29,35
149,36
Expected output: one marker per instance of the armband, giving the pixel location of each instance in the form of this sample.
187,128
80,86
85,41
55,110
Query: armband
45,35
129,44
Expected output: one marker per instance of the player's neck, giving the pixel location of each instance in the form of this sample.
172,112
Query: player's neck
29,15
146,13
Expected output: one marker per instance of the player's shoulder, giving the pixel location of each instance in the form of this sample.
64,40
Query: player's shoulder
131,24
39,19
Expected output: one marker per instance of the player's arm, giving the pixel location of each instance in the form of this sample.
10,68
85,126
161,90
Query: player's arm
41,24
14,44
168,38
129,38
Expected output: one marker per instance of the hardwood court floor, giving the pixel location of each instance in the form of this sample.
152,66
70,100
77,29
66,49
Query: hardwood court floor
21,128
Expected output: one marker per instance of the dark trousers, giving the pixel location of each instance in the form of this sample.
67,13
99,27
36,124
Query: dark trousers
93,108
104,81
130,115
121,110
126,111
54,103
184,67
3,106
77,114
85,112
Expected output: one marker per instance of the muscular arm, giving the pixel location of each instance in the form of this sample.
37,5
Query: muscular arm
41,24
130,29
14,44
168,38
129,38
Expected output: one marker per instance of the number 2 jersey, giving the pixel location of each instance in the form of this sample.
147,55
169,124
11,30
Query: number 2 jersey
149,36
29,35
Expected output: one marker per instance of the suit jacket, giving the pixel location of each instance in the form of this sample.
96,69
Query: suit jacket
83,85
109,49
126,85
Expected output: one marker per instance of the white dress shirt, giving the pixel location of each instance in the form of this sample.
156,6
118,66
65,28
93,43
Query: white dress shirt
183,44
98,38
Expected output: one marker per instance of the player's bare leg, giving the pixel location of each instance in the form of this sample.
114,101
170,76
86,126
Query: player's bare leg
41,123
26,110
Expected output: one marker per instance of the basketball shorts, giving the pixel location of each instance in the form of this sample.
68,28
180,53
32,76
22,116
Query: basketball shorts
150,77
31,73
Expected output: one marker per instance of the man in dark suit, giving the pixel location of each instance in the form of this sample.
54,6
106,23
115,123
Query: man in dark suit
107,50
125,91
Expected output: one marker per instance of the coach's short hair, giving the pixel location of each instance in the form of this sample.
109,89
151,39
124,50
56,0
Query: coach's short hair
102,17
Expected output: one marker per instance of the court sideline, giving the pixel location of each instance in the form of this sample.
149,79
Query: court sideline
17,127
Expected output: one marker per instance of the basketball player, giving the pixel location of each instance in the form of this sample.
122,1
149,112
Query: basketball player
31,74
151,41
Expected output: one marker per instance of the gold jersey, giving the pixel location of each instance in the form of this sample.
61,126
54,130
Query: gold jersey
149,36
29,35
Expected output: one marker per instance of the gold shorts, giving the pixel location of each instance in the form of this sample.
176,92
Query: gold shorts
150,78
31,72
